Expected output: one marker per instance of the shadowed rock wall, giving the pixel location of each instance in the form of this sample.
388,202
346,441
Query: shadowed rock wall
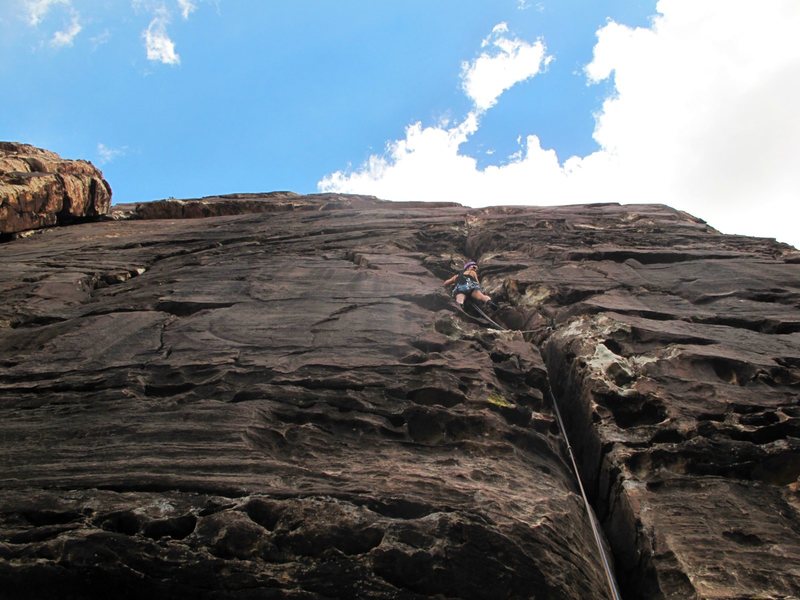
286,405
676,355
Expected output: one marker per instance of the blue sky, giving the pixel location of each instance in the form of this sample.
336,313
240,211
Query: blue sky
479,101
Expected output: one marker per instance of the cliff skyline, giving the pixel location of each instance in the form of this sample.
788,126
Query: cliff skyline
523,102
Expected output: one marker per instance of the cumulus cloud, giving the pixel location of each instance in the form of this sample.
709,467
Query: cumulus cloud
66,36
702,117
429,155
705,114
509,62
159,46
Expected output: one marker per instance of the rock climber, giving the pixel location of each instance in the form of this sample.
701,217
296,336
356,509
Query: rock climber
467,284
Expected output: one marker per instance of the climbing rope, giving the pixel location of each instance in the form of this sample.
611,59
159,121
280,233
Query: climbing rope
488,319
598,540
606,562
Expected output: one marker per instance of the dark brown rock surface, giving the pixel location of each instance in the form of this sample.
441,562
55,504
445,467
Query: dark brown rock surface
241,204
286,405
40,189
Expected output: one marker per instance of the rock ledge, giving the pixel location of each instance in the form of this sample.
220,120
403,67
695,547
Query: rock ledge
38,189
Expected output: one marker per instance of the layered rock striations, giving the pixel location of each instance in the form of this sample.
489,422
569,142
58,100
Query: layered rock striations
40,189
287,405
676,356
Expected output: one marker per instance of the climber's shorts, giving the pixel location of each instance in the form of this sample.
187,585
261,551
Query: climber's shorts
466,288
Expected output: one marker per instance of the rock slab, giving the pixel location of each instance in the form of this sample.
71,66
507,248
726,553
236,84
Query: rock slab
287,405
40,189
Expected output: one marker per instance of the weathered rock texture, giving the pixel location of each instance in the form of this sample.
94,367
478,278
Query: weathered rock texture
286,405
241,204
210,206
40,189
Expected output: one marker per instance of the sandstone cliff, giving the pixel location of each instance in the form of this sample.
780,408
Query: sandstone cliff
40,189
287,405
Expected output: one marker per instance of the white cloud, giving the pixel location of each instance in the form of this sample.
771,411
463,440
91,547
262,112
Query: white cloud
66,36
38,9
159,46
705,115
526,4
512,61
703,118
428,154
187,7
100,39
106,154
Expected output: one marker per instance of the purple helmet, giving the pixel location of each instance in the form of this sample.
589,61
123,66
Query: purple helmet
469,264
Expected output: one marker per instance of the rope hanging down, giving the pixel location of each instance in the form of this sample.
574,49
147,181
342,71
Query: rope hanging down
598,540
486,317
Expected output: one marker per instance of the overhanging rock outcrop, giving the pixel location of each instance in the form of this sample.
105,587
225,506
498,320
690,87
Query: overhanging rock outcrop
286,405
40,189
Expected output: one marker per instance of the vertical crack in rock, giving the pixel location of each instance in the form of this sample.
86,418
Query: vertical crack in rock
654,393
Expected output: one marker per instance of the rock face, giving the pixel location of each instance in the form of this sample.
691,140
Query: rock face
240,204
40,189
287,405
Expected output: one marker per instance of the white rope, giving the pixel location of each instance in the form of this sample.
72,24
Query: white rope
606,562
612,583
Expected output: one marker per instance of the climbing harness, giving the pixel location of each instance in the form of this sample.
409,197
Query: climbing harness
606,563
